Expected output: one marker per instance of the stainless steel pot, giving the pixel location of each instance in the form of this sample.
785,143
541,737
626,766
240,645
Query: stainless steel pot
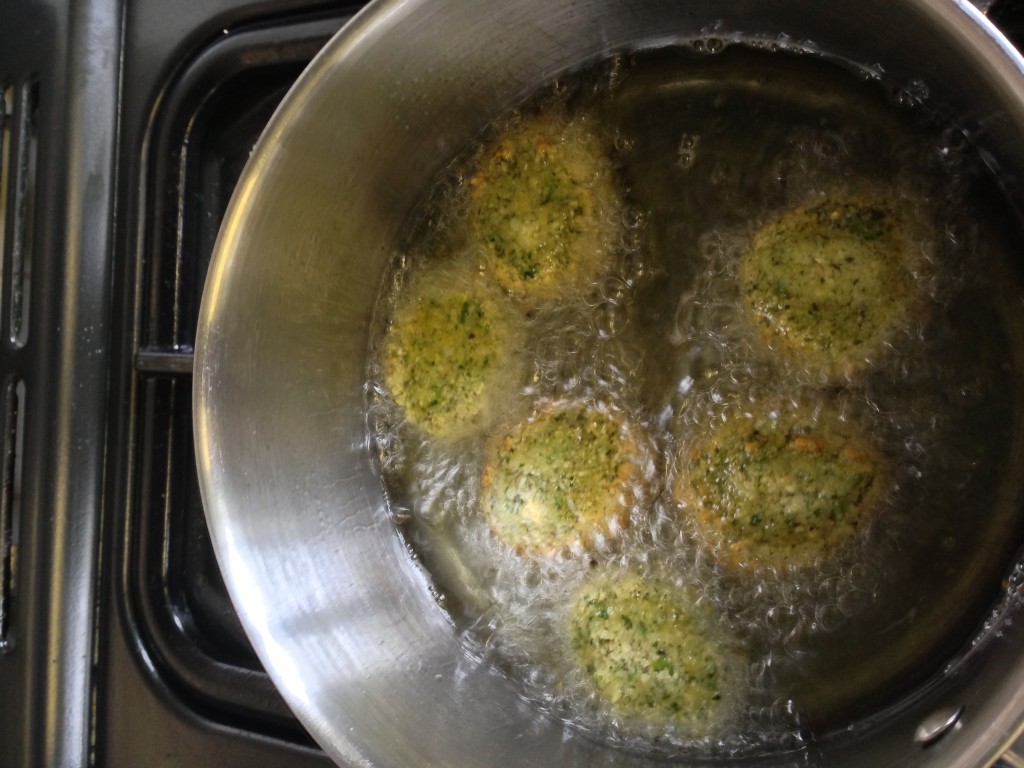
344,621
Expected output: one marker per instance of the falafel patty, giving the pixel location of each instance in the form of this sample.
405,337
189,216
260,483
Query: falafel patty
445,351
780,488
544,206
828,283
563,477
651,651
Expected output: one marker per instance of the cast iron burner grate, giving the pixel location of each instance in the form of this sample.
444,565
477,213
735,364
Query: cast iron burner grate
202,136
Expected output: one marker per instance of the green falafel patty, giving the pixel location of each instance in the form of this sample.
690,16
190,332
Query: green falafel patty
544,207
563,477
650,651
781,488
828,283
445,351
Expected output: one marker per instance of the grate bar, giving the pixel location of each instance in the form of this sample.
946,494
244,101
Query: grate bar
10,503
24,154
7,132
165,361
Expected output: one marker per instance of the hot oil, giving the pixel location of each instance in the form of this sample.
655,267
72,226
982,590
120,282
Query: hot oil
752,135
708,148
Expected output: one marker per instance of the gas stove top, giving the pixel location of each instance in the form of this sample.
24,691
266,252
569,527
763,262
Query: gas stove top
125,127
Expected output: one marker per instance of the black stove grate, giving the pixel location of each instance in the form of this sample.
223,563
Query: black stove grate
201,139
19,146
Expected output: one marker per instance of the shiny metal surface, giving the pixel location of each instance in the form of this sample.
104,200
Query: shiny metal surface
55,282
937,724
337,610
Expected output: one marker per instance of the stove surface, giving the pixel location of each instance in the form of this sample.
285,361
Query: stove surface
124,125
124,128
